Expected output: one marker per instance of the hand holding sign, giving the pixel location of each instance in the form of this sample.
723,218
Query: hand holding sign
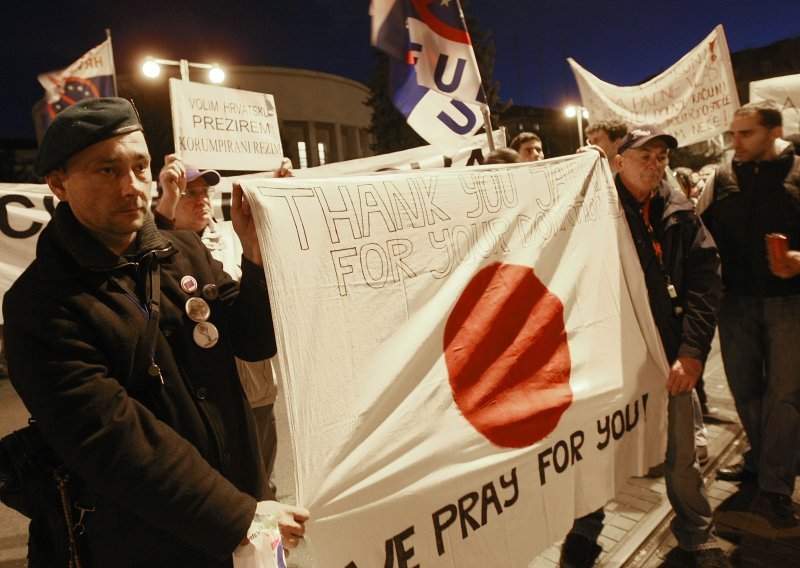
172,180
245,226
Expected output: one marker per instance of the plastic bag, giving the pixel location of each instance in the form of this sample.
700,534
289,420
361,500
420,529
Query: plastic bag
265,549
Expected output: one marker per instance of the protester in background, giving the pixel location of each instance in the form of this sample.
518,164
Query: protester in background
703,175
502,156
681,270
151,425
759,322
684,178
607,134
529,146
185,204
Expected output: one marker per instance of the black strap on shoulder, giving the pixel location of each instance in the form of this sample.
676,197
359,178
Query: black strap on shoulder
153,311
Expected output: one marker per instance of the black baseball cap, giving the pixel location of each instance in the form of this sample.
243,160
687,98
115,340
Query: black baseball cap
81,125
638,136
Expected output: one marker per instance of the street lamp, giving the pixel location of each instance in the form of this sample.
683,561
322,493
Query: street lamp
152,67
580,113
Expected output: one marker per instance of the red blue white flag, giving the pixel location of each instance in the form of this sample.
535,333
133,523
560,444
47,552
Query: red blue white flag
92,75
434,77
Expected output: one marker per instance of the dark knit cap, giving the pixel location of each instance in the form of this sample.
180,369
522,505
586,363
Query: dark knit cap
81,125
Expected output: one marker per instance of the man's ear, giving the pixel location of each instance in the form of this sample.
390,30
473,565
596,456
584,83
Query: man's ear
55,180
618,162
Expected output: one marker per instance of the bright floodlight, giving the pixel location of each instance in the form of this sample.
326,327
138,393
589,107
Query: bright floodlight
216,74
151,68
585,114
571,111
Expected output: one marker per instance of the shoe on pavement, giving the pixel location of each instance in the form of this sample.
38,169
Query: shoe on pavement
702,454
735,472
578,552
709,558
782,506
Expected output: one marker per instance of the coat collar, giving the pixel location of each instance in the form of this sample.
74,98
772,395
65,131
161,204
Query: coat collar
66,248
673,200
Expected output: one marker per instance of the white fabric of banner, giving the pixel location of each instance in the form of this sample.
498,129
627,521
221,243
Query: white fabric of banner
224,128
468,357
693,100
785,92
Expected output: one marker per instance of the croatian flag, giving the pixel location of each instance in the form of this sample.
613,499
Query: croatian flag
433,74
92,75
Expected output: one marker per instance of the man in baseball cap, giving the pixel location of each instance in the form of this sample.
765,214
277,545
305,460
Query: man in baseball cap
682,274
144,410
641,135
185,195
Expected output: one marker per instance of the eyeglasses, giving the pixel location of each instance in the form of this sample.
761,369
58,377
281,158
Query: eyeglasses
199,192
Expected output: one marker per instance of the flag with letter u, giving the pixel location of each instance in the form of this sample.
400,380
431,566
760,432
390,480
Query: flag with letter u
434,77
92,75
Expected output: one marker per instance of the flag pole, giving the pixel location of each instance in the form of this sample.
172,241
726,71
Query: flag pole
113,67
487,124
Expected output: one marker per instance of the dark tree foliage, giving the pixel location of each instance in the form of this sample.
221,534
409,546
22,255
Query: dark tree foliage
389,128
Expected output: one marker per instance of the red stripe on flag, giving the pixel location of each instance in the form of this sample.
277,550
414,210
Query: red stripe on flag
429,18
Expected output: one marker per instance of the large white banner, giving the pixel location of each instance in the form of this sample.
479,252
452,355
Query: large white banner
785,91
469,360
693,100
223,128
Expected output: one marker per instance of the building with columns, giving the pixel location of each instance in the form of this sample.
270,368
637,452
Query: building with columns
323,118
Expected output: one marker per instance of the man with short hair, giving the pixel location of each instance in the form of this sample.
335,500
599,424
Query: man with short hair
759,320
607,134
529,146
121,343
681,270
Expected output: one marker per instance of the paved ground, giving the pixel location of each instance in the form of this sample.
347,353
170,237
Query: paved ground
636,532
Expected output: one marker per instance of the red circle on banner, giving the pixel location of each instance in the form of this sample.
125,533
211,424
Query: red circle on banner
505,346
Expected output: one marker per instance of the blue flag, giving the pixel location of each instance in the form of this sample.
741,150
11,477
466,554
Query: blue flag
433,77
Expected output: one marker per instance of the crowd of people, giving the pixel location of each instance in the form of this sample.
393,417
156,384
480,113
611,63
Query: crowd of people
132,348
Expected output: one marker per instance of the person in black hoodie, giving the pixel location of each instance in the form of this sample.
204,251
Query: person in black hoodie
759,320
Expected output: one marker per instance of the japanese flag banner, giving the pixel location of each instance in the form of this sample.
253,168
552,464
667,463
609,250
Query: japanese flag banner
468,357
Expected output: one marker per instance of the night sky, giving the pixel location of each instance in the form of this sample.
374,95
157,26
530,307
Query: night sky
621,42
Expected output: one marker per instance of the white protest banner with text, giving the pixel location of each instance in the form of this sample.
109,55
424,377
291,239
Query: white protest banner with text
223,128
785,92
468,356
24,211
693,100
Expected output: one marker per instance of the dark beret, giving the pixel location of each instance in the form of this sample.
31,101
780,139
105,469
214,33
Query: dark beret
81,125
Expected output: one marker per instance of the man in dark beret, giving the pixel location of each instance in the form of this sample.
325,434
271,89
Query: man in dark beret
121,342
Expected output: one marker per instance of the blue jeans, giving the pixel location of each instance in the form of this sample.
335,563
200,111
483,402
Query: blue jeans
692,525
760,341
